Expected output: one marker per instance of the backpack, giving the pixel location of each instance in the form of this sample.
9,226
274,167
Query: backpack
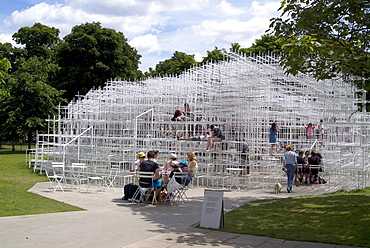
129,191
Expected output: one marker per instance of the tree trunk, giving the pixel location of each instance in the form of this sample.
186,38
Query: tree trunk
29,140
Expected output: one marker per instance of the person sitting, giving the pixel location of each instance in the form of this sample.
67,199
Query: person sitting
184,168
141,158
303,170
188,112
150,166
216,136
173,157
176,168
193,164
178,116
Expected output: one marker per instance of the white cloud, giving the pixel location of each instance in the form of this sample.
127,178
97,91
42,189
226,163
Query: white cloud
198,56
64,17
146,44
264,10
226,8
7,38
156,28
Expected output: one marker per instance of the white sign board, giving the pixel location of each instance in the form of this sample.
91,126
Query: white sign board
213,209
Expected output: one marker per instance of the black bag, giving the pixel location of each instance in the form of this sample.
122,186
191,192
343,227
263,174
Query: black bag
322,180
129,191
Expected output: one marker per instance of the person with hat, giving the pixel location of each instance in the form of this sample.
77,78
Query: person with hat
167,168
173,157
177,116
141,158
184,168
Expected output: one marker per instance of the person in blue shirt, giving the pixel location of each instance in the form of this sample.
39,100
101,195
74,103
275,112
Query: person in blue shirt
273,137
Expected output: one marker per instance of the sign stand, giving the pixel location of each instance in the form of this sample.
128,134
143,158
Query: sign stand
213,209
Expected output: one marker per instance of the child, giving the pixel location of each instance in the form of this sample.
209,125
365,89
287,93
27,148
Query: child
309,129
184,168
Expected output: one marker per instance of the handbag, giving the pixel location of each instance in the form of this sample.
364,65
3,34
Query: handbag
297,183
173,185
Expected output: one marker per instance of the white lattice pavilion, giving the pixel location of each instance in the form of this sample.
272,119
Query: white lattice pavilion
242,95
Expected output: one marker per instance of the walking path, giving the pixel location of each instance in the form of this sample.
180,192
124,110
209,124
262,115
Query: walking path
111,222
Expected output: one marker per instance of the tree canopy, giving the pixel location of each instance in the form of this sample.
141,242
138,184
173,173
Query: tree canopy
326,39
90,55
39,40
178,63
29,100
267,44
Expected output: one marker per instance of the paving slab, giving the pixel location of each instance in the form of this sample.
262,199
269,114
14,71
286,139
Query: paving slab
108,221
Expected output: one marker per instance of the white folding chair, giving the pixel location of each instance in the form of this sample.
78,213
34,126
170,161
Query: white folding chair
78,173
109,180
145,189
56,175
179,194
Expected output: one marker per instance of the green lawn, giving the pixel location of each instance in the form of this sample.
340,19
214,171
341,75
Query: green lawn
339,218
16,178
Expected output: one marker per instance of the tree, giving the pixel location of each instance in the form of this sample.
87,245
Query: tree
12,54
215,55
4,67
39,40
178,63
326,38
90,55
30,100
267,44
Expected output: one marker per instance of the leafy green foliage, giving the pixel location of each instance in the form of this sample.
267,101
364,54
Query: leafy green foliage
214,56
30,100
4,67
39,40
178,63
90,55
326,39
267,44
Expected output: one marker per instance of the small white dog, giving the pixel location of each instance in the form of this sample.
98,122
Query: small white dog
278,188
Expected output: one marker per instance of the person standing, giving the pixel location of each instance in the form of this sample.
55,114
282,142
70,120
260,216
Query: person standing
309,129
314,160
290,163
273,137
322,130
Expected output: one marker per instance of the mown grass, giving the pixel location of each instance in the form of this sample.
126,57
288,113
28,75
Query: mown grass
15,179
339,218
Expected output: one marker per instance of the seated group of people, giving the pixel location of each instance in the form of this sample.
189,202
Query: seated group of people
306,173
162,176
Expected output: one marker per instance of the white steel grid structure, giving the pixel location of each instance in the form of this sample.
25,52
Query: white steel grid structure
242,95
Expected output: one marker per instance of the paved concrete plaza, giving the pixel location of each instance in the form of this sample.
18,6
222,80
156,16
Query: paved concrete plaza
111,222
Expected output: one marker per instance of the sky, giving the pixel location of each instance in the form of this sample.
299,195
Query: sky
156,28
